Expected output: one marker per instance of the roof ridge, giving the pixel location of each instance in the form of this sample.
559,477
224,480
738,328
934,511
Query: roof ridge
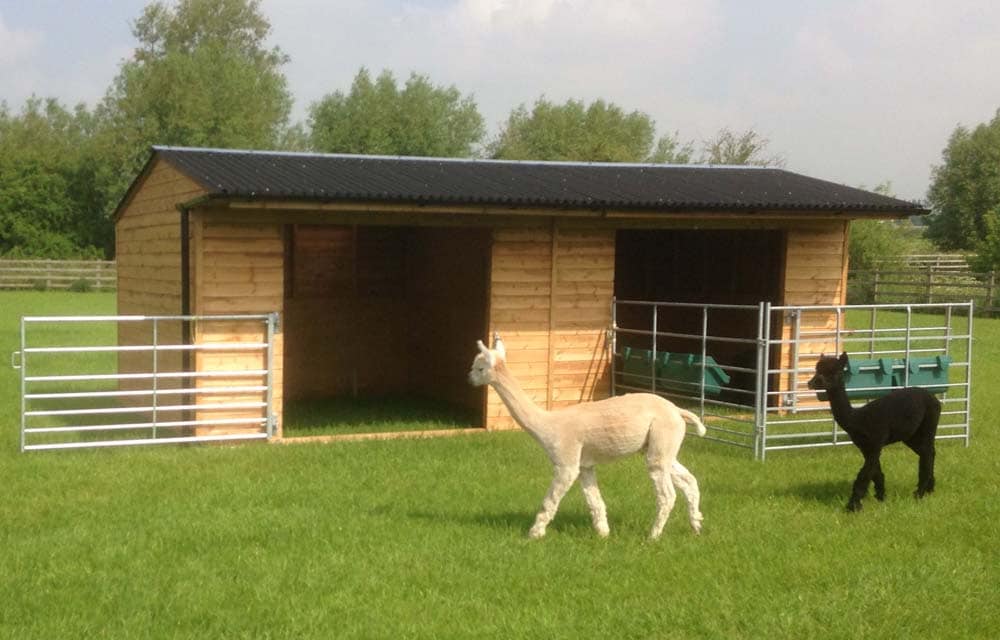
365,156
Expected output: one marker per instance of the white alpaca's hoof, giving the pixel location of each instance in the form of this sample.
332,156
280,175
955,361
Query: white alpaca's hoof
535,534
603,532
696,525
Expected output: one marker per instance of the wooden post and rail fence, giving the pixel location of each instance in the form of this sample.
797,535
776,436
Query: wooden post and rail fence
925,279
83,275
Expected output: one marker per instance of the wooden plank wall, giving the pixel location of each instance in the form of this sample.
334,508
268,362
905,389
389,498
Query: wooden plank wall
148,252
815,274
237,269
551,289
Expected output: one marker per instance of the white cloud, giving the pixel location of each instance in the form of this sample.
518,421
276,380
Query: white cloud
16,44
504,51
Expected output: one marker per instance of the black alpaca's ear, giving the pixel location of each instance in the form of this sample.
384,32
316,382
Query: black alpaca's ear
843,360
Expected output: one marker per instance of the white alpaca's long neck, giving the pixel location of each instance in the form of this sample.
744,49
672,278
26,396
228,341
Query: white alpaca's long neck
529,415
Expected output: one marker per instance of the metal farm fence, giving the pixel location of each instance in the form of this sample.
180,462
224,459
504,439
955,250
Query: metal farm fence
744,368
58,274
174,379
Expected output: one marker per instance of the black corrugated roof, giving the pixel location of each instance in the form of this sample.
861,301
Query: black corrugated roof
334,177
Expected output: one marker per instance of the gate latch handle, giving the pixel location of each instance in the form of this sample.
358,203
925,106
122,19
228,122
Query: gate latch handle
15,359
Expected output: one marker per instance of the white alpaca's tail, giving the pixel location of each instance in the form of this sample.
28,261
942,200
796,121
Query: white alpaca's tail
693,419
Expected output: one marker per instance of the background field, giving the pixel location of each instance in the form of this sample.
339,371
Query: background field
426,538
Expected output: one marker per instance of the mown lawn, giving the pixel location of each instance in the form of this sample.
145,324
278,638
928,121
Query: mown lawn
425,538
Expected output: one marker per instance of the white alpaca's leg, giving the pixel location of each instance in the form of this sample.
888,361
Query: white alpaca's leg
598,511
562,479
688,484
665,498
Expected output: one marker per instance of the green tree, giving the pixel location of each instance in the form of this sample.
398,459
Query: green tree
598,132
202,75
418,119
879,243
746,148
49,205
987,256
966,186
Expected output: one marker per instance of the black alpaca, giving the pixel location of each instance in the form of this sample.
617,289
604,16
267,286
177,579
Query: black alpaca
906,415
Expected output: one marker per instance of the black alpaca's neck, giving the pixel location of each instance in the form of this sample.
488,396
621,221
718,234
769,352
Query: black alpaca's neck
840,405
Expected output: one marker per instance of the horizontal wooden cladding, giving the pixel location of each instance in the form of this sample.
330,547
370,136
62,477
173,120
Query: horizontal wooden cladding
551,292
812,285
161,189
148,243
239,268
815,271
169,287
504,274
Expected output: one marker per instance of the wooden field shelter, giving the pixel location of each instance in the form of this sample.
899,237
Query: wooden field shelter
386,270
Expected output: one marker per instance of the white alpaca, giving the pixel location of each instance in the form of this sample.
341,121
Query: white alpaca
579,437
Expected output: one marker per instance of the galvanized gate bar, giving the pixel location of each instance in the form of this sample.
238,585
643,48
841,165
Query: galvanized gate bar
156,414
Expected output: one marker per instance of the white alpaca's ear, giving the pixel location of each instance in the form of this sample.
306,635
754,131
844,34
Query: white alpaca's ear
498,346
490,356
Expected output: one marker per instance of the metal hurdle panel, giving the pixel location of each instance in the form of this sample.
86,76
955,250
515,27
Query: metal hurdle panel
84,385
725,333
765,405
793,417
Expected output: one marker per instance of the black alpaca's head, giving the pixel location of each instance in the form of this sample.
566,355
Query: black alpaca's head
829,372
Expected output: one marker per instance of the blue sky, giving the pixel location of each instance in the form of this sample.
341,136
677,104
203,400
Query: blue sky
854,91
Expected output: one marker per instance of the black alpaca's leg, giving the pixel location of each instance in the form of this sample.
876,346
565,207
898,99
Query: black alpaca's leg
864,477
879,479
925,478
928,430
922,444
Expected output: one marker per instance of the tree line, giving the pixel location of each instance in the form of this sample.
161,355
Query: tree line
203,75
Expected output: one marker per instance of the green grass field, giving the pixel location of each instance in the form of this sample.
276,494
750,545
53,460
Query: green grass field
425,538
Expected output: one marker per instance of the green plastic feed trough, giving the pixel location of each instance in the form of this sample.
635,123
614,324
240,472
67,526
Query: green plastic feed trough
930,372
677,372
869,378
876,378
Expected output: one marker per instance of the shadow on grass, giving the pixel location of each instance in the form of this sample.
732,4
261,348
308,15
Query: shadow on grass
830,492
519,521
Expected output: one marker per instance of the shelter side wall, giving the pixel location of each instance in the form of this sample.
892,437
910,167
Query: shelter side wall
148,252
237,269
583,285
815,274
520,308
551,289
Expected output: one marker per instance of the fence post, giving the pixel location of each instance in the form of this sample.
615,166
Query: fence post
930,284
878,271
990,288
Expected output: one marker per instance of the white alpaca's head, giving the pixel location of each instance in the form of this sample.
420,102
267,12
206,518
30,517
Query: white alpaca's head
483,367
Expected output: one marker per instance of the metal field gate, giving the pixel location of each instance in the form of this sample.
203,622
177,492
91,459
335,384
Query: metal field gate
109,381
744,368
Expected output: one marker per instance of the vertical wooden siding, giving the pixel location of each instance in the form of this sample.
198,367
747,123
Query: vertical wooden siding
551,289
237,269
